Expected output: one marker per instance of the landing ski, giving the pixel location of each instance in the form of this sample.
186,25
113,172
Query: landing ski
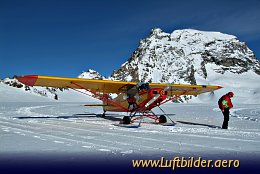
165,124
127,125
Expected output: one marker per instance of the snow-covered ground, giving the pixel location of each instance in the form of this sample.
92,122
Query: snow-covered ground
71,127
37,128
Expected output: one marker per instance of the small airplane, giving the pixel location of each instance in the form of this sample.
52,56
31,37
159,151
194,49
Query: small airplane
137,99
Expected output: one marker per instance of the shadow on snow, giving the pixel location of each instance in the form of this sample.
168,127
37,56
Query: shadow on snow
199,124
111,117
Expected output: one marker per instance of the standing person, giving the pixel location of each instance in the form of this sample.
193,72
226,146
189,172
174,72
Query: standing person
225,104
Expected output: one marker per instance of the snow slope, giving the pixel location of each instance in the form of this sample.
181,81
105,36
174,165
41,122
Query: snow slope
12,94
246,87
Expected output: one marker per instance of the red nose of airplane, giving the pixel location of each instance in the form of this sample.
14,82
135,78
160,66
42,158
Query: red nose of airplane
29,80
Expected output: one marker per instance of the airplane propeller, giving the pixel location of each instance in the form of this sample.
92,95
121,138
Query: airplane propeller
158,95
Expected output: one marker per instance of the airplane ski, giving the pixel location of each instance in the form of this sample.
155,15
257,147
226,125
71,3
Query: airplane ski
127,125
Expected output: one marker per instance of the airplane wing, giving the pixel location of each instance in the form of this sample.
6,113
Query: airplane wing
104,86
186,89
108,86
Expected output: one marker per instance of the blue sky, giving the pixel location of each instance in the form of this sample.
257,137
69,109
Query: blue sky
66,37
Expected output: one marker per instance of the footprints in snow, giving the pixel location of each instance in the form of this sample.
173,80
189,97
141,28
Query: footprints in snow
241,113
244,118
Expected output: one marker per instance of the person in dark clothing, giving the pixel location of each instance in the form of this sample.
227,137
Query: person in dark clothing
225,104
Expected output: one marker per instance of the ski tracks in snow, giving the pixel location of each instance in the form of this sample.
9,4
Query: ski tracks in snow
99,135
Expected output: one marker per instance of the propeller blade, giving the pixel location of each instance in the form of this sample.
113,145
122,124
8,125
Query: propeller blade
158,95
168,87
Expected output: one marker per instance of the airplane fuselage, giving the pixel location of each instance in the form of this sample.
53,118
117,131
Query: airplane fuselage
138,101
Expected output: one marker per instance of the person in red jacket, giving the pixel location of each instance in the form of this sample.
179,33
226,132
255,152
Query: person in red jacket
225,104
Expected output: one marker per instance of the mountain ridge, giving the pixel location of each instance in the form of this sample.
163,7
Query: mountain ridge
184,52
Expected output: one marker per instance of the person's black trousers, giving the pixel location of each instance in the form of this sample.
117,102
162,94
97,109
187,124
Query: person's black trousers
226,118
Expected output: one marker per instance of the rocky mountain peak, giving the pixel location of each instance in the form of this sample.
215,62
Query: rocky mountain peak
185,55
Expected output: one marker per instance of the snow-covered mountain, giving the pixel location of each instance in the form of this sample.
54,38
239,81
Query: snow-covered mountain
91,74
50,93
195,57
12,90
178,56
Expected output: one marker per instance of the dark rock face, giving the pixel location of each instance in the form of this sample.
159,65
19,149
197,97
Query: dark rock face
182,54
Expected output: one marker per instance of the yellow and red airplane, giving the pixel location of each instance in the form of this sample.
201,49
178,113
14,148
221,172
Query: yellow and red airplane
132,97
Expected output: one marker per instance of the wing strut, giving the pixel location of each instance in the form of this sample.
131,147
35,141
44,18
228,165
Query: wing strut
165,114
